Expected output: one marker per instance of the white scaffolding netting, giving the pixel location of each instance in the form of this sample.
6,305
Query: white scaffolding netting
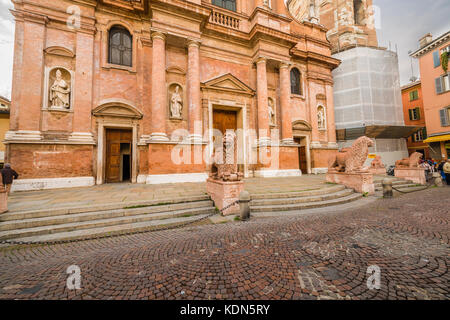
367,89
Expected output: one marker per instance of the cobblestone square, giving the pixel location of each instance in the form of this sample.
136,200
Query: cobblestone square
323,255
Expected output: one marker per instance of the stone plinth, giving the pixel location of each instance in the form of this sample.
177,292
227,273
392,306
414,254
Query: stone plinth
224,193
360,182
3,199
416,175
378,171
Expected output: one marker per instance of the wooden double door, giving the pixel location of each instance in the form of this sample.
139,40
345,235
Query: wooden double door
303,162
118,155
224,120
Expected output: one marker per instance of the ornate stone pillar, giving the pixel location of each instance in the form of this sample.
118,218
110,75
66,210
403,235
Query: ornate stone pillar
263,110
285,99
331,125
159,98
193,90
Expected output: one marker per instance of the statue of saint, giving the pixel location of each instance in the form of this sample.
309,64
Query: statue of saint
321,118
271,113
60,92
176,104
313,11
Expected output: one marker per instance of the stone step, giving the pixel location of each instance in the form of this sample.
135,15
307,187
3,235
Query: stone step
298,194
308,205
89,216
19,215
398,186
109,230
322,197
124,220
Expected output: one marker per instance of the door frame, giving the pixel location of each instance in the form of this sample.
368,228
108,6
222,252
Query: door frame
121,155
101,149
308,150
241,123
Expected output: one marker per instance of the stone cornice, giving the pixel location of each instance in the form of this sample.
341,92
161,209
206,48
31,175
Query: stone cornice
434,44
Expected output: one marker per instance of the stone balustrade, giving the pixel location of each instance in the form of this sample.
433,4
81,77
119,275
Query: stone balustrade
224,20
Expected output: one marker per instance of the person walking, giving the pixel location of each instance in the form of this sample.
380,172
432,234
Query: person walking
441,169
8,175
447,171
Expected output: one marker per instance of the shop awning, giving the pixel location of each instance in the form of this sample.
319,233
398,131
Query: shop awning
444,137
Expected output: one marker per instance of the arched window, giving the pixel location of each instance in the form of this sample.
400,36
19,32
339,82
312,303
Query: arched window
358,11
120,46
296,87
227,4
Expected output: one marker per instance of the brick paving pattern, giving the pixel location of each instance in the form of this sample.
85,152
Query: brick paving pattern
309,256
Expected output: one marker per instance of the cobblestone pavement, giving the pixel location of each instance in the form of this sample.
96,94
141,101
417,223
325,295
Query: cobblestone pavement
127,192
310,256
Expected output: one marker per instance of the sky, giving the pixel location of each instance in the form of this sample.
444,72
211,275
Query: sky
402,23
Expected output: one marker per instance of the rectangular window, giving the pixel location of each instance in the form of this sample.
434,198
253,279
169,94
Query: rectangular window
413,95
444,115
446,49
414,114
418,136
443,83
226,4
436,59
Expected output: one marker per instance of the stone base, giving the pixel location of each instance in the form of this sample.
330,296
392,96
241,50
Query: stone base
416,175
3,200
360,182
224,193
378,171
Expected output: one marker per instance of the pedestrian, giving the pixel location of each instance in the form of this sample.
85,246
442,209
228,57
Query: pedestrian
441,169
446,168
8,175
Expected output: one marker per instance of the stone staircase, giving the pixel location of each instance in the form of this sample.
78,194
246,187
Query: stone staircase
92,221
331,195
398,183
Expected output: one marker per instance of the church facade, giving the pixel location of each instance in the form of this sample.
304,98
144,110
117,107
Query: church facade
140,90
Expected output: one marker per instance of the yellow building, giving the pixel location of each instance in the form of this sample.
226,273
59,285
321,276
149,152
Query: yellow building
4,125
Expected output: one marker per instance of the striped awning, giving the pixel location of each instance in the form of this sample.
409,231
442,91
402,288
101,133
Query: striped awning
444,137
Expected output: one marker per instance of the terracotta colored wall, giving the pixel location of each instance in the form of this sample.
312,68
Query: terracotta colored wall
51,161
407,104
160,161
433,102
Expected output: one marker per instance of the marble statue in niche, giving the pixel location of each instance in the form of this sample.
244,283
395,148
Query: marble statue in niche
60,92
321,118
176,103
271,113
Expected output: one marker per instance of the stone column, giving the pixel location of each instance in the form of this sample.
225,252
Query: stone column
263,110
331,125
159,98
285,99
193,90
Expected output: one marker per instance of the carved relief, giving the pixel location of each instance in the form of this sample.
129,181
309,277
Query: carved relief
224,160
176,101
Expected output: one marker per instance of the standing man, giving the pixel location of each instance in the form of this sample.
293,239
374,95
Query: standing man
447,171
8,175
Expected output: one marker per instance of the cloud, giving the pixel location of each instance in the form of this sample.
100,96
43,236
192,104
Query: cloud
403,23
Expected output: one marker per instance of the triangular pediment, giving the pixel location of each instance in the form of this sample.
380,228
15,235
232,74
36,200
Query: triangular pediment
228,82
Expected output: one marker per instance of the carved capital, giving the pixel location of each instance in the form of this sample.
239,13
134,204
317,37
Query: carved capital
158,35
193,43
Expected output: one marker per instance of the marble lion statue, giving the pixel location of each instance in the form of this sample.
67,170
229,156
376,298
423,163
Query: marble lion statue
352,159
377,163
411,162
224,163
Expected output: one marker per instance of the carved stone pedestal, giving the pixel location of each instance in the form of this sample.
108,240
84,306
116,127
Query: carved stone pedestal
360,182
416,175
224,193
378,171
3,199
